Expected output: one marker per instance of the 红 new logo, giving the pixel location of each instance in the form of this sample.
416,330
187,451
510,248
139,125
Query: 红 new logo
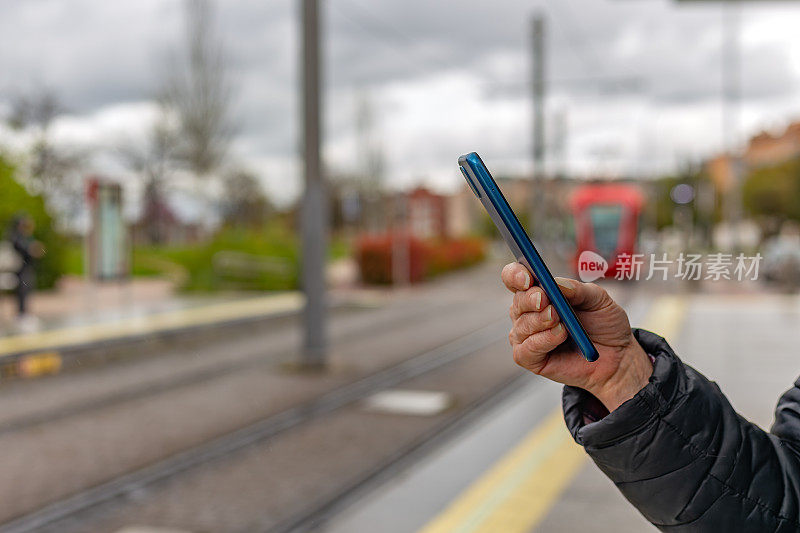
591,266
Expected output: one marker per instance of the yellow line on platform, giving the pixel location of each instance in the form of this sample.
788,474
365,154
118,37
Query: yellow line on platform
156,323
518,491
520,488
666,316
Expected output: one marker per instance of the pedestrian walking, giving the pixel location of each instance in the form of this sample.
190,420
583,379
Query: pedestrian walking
29,250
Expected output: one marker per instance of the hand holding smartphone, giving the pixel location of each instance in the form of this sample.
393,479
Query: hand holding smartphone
487,191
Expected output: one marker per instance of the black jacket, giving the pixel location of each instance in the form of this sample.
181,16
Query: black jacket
685,459
22,245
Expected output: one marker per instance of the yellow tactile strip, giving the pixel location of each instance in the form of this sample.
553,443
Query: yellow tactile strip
518,491
152,324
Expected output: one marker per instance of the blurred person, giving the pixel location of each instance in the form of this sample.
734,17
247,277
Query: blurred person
29,249
661,431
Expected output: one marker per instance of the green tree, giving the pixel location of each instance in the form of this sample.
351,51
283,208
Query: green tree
773,192
14,199
661,206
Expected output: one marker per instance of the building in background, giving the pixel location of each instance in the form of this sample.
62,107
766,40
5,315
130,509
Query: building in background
160,224
767,149
427,213
763,149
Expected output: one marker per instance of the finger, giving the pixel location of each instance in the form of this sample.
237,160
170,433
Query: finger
516,277
532,323
584,296
533,352
534,299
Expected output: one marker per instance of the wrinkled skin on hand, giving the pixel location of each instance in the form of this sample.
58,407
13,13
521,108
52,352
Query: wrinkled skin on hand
537,338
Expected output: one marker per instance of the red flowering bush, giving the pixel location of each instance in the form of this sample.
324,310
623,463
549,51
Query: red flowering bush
426,258
452,254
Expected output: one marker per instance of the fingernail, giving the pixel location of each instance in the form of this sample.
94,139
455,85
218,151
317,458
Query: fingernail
548,313
565,284
537,300
523,279
558,329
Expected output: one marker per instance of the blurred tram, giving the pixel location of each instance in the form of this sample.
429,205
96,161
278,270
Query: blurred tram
606,221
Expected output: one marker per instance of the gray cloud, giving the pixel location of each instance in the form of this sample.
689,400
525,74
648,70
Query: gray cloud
643,56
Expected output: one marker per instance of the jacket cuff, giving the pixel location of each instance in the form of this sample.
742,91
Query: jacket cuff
580,406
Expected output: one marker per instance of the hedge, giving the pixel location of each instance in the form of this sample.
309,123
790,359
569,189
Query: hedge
427,258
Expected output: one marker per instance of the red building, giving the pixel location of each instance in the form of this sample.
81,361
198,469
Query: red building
427,213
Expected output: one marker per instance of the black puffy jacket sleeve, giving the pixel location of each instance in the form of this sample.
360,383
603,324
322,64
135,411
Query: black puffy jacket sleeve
686,460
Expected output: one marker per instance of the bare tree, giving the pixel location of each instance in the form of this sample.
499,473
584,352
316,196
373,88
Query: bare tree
371,167
153,160
199,92
52,170
245,202
35,109
194,129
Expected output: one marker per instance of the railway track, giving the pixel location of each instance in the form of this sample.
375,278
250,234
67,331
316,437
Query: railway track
317,514
194,377
107,492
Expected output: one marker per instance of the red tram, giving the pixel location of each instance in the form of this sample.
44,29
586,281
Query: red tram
606,221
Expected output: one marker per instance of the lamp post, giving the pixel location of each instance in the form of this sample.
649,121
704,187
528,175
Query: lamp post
314,206
537,200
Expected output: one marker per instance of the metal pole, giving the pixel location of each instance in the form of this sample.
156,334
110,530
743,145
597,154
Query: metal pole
537,200
314,208
401,243
731,100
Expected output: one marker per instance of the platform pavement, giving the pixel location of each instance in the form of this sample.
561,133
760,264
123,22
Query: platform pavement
82,317
748,345
78,301
56,343
148,323
539,480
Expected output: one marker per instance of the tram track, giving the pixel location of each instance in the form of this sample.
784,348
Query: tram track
201,375
319,512
88,503
314,516
258,432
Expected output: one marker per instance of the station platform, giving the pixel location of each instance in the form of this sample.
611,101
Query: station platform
43,351
518,470
152,323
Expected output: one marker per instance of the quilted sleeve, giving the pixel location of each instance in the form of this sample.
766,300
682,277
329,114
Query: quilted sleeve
685,459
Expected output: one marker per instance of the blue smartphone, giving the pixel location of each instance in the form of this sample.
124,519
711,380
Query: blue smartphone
487,191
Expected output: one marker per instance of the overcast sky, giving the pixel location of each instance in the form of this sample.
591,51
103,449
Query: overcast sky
635,84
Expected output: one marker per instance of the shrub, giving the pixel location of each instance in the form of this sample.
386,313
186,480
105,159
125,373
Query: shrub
15,199
452,254
235,259
374,254
374,257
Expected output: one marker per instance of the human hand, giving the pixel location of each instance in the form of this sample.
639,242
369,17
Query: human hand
537,334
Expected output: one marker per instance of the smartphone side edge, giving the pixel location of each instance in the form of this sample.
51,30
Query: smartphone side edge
528,250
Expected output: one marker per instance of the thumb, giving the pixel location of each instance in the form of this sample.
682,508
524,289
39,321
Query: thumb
583,296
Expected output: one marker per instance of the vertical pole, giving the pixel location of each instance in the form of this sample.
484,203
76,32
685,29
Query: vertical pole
537,200
401,243
558,143
730,110
314,208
